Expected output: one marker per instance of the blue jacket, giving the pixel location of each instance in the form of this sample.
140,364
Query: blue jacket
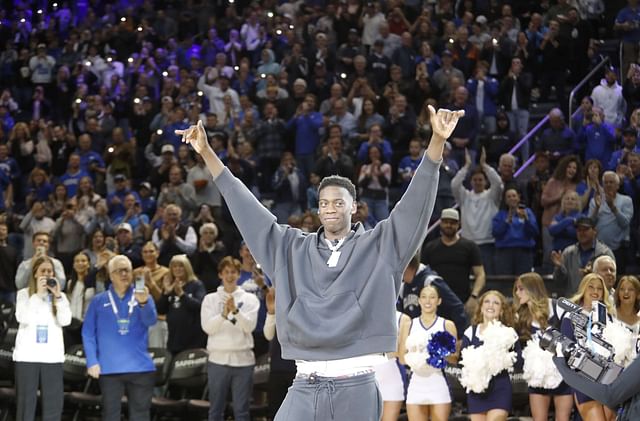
518,233
103,344
616,157
564,230
491,86
307,132
597,142
363,151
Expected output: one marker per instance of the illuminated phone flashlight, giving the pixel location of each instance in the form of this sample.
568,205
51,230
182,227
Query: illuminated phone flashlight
110,150
263,75
269,14
55,5
343,75
136,100
165,73
278,31
200,93
450,40
23,20
39,11
291,27
123,19
159,132
130,60
109,59
232,1
495,41
78,100
236,68
87,63
139,28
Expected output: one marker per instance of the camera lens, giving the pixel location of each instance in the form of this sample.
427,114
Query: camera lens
51,282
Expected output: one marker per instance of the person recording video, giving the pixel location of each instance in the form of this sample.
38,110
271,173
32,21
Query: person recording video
42,310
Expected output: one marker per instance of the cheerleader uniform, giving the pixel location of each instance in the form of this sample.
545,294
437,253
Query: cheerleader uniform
428,385
499,392
554,321
392,376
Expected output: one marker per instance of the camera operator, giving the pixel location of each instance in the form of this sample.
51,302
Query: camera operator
42,310
592,288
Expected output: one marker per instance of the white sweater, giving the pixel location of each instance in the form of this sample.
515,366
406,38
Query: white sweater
34,313
230,343
477,209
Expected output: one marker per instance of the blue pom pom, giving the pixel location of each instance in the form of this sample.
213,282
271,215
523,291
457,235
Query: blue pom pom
440,346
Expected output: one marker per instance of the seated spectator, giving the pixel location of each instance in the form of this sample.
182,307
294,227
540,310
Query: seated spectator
40,244
373,181
478,206
230,343
180,301
206,258
515,229
36,220
608,96
562,227
375,138
173,237
597,139
571,263
41,312
612,213
629,144
68,236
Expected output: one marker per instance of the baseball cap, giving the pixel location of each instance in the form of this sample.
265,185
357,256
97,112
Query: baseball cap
167,99
124,226
450,213
146,185
167,148
585,221
119,177
630,131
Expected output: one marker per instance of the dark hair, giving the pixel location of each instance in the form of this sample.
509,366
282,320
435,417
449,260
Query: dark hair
560,173
338,181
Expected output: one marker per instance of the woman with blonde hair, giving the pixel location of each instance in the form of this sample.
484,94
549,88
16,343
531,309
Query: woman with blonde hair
38,187
562,227
181,299
592,289
22,147
494,403
534,312
627,301
42,310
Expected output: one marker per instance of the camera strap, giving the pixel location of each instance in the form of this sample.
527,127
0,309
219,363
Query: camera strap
589,340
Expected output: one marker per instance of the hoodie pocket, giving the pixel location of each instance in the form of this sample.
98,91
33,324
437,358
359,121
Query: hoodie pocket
326,322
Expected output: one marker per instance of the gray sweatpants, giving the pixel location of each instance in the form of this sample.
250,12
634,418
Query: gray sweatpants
324,398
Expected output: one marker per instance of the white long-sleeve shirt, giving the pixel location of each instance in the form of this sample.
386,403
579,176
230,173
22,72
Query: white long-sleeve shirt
477,209
39,337
230,343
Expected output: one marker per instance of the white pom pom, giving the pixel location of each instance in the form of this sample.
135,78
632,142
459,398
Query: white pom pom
538,369
622,340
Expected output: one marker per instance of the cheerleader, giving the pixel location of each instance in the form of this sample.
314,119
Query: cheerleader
627,301
533,314
428,393
392,379
494,403
592,288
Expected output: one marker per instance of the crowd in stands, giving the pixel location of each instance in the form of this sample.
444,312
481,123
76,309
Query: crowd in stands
289,92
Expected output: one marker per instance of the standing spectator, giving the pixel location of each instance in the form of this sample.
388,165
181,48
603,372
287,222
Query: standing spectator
375,138
72,177
208,255
81,288
115,338
42,310
563,225
9,264
174,237
478,206
501,140
400,124
463,137
36,220
455,259
40,242
631,88
371,20
180,301
336,161
608,96
612,212
596,140
515,230
557,139
483,91
627,298
629,144
570,265
465,54
628,22
68,236
41,66
290,186
405,56
555,55
178,192
115,200
127,245
373,180
306,123
514,95
408,164
229,316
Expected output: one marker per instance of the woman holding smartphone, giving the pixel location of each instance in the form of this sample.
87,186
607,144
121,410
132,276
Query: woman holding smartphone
42,310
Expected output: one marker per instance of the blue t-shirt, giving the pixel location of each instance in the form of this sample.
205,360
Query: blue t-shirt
70,181
630,15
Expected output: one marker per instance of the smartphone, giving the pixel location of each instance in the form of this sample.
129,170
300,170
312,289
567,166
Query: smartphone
40,250
139,283
599,311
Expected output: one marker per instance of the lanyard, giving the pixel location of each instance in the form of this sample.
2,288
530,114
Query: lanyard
115,309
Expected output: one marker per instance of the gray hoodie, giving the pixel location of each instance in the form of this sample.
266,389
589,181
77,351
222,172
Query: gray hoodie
325,313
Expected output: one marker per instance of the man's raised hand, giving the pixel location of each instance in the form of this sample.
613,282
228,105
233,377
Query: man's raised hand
196,136
444,121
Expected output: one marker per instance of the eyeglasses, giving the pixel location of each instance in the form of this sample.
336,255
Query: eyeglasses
121,271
